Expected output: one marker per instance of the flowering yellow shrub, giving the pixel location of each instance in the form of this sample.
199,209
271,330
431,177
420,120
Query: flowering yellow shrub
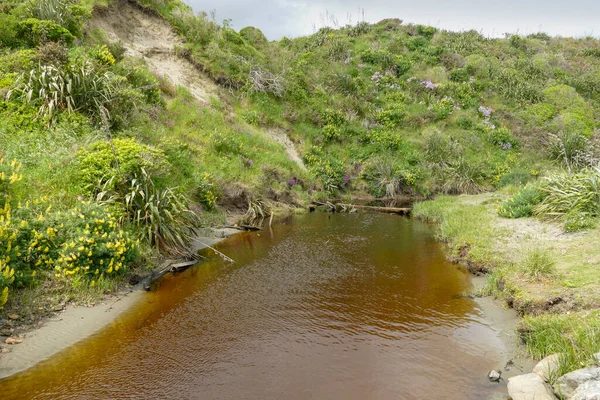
103,54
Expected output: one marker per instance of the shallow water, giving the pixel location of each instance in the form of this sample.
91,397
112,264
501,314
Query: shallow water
360,306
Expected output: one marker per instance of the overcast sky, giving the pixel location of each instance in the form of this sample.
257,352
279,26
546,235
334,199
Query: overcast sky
277,18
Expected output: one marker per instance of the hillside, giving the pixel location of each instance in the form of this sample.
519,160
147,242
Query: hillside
125,126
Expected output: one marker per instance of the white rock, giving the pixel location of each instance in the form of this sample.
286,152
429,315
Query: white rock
495,375
589,390
547,367
529,387
568,383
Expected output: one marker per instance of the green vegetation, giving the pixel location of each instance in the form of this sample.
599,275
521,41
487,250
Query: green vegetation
576,337
115,166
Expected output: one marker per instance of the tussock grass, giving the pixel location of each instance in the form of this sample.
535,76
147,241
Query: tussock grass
539,263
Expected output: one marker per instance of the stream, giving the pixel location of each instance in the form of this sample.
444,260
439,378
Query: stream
323,306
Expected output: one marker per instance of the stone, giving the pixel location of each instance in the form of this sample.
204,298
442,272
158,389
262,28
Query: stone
529,387
4,350
6,332
567,384
58,307
12,340
494,375
13,316
589,390
547,367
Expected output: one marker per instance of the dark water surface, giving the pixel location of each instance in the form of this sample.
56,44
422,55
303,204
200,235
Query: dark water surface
322,307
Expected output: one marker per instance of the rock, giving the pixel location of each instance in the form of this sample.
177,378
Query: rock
6,332
58,307
568,383
495,375
547,367
12,340
13,316
589,390
4,350
529,387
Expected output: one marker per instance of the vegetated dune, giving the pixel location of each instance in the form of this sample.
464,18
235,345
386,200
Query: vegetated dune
146,35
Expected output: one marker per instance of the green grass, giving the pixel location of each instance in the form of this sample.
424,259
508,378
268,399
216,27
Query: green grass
576,337
466,228
538,263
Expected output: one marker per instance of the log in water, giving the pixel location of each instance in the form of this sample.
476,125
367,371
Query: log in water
322,307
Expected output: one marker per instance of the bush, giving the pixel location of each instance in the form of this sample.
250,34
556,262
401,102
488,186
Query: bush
391,117
328,169
163,216
570,149
254,36
332,133
85,241
522,204
101,165
572,199
66,13
334,118
80,87
35,32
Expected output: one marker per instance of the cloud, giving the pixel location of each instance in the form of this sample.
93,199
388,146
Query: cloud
277,18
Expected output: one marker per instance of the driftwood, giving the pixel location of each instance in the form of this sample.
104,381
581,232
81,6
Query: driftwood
244,227
389,210
348,207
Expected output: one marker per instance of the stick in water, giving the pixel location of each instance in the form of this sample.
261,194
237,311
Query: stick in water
218,252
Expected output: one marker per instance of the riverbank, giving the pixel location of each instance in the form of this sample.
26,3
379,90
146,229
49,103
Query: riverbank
547,275
24,345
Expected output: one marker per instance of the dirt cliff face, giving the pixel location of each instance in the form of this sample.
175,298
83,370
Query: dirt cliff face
146,35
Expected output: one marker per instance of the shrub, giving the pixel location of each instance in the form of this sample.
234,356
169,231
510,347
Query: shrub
36,32
334,117
163,216
391,117
570,149
78,87
254,36
325,167
332,133
101,163
522,203
573,199
416,43
103,55
459,75
84,241
66,13
502,137
207,191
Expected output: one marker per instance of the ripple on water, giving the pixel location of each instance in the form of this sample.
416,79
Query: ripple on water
347,307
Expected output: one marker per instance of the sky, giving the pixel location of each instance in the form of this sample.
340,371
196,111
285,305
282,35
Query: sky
292,18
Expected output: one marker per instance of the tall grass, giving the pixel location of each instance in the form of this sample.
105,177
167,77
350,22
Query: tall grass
576,337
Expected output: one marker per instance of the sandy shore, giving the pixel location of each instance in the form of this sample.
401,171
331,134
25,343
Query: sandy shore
76,323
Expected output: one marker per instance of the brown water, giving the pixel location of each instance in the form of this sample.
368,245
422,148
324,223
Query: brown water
322,307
